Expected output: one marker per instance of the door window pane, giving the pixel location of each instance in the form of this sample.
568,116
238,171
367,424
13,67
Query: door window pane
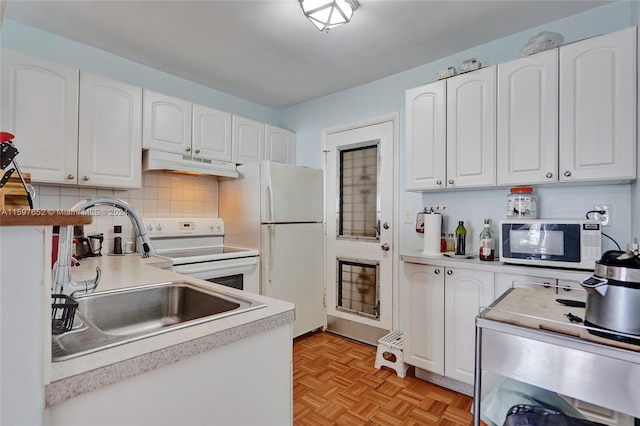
358,288
358,203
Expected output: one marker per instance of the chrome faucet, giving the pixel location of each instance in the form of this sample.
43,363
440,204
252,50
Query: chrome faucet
62,283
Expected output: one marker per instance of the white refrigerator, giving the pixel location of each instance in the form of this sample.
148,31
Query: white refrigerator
277,209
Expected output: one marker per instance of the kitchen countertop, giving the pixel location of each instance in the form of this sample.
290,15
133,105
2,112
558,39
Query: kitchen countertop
495,266
94,370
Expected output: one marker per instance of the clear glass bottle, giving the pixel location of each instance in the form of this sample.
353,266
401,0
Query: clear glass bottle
486,242
461,239
451,243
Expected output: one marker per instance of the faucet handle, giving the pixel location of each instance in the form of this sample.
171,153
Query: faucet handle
86,286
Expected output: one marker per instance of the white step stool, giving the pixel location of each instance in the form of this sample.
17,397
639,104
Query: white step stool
392,344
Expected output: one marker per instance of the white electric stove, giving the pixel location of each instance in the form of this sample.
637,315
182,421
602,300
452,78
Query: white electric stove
196,248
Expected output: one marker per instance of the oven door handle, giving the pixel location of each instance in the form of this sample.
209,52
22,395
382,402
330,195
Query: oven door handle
187,270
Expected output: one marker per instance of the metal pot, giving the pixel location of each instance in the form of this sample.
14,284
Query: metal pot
613,294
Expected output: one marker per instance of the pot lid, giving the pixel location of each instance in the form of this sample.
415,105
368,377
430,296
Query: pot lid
613,258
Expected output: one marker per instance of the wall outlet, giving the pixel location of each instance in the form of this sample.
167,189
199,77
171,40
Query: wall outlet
408,216
604,218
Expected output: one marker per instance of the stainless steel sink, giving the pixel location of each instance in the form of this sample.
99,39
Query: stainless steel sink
109,318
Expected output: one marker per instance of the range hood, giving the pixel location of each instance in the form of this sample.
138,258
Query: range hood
169,161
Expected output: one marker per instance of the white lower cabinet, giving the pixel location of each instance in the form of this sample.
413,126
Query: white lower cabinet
423,300
440,306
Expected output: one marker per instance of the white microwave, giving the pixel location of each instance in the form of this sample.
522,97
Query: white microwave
564,243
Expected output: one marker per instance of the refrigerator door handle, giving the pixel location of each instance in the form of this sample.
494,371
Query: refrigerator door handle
272,238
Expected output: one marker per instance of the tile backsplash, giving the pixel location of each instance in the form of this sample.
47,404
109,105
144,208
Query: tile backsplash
162,195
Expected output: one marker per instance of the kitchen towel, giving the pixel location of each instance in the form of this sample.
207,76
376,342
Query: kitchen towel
432,229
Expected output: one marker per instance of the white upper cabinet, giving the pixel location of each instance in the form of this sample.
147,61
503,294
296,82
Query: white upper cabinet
248,140
527,120
110,133
211,133
166,123
425,159
280,145
598,117
471,129
40,108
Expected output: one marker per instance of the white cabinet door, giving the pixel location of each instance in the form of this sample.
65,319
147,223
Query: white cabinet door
527,121
471,129
504,282
166,123
466,291
423,309
248,140
40,108
280,145
211,133
425,147
110,133
598,108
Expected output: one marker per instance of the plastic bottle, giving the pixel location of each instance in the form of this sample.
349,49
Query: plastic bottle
522,202
486,242
461,239
117,239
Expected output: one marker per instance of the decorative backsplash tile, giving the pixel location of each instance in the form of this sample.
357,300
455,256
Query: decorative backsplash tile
162,195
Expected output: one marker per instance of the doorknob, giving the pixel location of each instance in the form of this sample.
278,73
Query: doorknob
385,225
385,247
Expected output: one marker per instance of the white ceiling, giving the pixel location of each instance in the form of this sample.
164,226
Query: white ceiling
267,52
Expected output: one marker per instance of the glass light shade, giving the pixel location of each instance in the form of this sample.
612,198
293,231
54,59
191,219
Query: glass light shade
327,14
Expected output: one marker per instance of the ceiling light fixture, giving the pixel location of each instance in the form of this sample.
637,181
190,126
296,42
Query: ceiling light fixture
327,14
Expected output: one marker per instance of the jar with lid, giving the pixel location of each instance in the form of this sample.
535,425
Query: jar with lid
522,202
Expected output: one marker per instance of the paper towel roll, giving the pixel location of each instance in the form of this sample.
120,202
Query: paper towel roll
432,229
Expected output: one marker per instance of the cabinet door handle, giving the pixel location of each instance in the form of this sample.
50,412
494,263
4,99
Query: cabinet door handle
438,182
385,247
549,175
187,149
449,272
86,178
546,285
70,176
567,173
197,151
437,271
450,181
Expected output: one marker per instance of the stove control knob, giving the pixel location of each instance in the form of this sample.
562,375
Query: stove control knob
149,227
159,227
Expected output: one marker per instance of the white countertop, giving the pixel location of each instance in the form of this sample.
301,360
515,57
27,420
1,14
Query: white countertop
495,266
87,372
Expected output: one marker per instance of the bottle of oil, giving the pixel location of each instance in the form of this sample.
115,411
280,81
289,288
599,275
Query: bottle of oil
461,239
486,242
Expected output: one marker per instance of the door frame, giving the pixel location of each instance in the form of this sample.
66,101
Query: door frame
394,118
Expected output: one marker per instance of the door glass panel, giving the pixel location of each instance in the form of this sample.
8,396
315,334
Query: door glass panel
358,288
358,191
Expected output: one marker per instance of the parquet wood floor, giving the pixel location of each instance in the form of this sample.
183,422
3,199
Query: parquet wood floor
335,383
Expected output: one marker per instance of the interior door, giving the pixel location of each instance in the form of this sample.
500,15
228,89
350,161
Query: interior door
359,231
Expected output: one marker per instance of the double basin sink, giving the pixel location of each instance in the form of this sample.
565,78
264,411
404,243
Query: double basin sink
115,317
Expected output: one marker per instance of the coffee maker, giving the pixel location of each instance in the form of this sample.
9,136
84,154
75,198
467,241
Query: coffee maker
89,246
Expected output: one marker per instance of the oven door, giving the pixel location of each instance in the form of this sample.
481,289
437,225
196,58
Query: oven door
241,273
